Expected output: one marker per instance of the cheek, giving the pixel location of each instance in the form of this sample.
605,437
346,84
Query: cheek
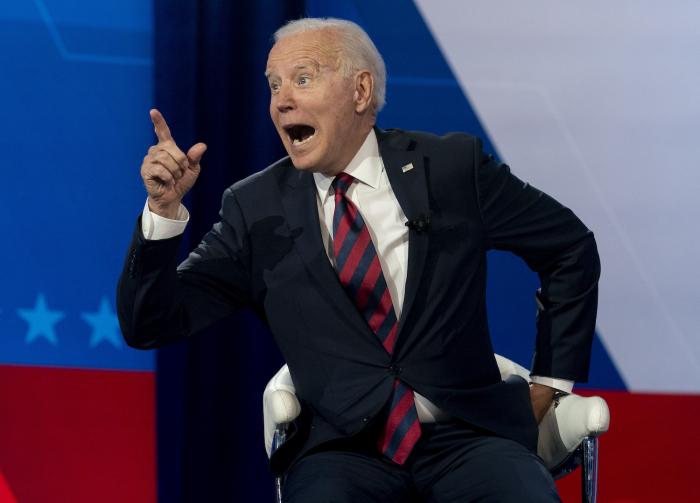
342,122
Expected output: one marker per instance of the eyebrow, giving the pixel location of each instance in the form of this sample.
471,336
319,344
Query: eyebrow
314,66
301,66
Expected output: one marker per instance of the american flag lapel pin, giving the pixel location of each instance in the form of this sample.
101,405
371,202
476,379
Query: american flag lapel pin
408,167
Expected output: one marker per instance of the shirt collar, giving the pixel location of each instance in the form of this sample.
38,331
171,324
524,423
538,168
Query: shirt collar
365,167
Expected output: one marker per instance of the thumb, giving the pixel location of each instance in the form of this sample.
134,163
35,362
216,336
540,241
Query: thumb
195,153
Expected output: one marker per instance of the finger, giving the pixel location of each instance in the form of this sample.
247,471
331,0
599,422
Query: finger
159,174
161,127
195,153
165,159
175,153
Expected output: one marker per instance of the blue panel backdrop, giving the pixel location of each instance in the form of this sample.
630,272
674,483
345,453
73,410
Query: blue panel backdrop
73,83
75,78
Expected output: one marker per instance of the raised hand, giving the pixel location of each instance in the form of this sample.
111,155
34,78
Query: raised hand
168,173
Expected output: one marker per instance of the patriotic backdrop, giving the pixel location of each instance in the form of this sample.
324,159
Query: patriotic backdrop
76,405
596,103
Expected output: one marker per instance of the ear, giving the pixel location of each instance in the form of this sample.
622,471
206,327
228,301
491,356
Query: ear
364,88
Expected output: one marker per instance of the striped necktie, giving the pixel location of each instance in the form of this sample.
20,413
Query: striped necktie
361,275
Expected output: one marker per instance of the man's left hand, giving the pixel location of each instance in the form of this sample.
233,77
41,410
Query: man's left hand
541,397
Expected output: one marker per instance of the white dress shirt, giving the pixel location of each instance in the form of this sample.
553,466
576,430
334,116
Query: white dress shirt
386,222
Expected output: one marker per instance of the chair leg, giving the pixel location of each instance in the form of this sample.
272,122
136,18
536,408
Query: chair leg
278,439
589,470
278,489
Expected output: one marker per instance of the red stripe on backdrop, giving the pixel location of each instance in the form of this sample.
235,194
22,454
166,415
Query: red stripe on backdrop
78,435
6,495
650,453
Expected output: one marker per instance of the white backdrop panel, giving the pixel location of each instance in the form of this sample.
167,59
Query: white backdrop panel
598,104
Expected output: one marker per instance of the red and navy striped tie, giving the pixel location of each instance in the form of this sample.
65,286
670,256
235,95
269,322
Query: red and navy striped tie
361,274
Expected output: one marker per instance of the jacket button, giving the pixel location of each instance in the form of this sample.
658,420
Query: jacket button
365,419
395,370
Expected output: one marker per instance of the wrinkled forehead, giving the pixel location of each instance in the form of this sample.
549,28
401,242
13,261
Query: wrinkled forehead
318,49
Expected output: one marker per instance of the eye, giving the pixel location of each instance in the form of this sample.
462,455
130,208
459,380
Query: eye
303,80
274,87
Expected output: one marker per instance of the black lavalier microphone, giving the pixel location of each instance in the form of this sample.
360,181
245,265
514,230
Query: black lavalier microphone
420,223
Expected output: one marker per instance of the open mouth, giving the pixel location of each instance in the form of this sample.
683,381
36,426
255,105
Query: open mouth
299,133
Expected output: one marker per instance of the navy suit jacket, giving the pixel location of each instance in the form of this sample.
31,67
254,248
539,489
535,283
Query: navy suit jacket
266,253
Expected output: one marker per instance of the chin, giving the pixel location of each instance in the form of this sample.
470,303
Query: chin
302,166
302,163
308,161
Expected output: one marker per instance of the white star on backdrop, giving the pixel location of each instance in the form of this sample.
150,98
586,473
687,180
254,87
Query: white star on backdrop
105,326
41,321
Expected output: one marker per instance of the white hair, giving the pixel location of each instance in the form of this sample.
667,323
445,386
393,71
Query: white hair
358,50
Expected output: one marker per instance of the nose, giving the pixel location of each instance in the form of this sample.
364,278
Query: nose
283,100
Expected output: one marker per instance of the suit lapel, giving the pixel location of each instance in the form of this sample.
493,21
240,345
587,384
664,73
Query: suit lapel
299,202
411,189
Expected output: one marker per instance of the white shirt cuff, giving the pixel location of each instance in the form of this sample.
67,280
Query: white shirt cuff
561,384
156,227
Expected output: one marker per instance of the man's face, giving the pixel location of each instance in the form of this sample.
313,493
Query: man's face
313,106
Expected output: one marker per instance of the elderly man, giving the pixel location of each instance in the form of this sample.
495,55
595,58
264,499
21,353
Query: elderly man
365,251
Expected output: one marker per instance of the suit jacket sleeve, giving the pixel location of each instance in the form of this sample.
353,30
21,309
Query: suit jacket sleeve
560,249
158,302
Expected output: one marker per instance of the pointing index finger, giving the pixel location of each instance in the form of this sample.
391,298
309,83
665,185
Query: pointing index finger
161,127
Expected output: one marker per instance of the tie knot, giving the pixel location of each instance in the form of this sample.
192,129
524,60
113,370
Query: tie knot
342,183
